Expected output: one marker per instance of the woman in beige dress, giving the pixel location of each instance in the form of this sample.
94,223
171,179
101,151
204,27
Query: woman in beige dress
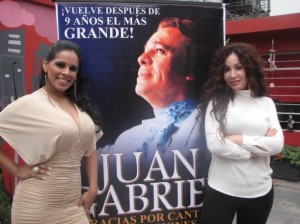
54,127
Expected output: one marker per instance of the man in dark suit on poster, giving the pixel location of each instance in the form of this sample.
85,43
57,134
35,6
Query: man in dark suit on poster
160,165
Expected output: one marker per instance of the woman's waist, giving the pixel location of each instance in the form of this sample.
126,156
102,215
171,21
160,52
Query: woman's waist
240,179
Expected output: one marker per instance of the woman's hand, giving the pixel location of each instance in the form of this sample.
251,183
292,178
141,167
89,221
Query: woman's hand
40,171
23,171
237,139
87,200
271,132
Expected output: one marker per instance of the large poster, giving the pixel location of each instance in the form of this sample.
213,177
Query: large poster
146,62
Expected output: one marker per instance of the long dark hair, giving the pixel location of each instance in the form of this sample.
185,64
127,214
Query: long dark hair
80,99
216,89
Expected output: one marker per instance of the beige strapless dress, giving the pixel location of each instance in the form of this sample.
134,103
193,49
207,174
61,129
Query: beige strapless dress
42,132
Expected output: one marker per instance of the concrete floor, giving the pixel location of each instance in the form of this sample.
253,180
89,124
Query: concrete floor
286,206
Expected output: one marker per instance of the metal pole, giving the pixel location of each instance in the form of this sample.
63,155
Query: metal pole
14,79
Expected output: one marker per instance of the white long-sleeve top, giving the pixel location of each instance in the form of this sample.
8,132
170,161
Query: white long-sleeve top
232,171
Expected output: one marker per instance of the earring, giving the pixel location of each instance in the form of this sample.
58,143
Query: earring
190,77
75,90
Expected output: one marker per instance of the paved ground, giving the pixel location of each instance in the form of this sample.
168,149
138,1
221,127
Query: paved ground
286,206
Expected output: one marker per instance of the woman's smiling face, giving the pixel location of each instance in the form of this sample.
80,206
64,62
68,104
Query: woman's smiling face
234,73
61,71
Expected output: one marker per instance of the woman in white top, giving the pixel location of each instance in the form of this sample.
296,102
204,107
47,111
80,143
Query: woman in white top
242,131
